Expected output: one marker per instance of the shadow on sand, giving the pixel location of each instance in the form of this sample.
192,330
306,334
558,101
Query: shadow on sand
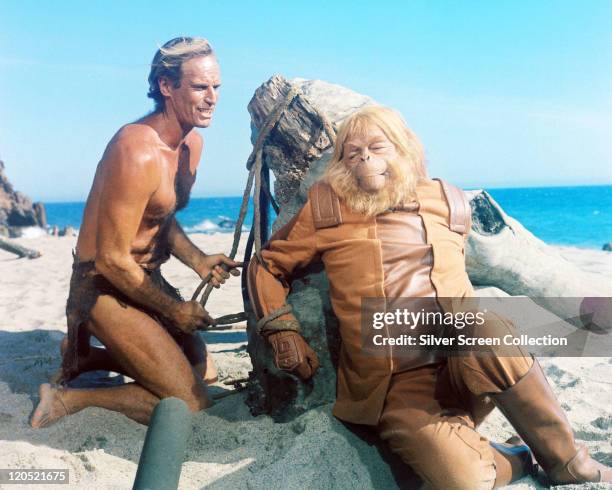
254,448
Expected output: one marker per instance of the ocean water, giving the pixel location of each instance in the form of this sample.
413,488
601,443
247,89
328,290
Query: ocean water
202,215
576,216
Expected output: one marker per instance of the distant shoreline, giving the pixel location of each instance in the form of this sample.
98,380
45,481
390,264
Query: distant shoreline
467,188
575,216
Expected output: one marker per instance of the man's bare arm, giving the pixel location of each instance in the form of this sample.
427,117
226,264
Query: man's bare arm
183,248
131,177
190,255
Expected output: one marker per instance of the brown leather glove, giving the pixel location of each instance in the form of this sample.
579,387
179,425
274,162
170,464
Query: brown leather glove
292,353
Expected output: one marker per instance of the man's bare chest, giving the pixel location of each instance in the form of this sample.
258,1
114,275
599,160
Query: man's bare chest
178,175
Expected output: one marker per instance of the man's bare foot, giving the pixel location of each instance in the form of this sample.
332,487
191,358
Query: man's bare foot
210,374
50,407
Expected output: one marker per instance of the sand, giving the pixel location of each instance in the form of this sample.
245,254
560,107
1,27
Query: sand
229,447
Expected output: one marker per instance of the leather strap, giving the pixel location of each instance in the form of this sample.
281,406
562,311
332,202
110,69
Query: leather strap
325,206
460,213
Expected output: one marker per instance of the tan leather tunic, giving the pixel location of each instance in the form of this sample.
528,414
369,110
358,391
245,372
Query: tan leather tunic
407,261
412,252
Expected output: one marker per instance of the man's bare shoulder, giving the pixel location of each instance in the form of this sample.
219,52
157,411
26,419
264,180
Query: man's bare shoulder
195,141
132,144
139,140
133,154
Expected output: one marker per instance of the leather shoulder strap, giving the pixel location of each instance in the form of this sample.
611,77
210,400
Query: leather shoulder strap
460,219
325,206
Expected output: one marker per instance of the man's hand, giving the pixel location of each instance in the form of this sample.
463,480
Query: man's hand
292,353
189,316
212,264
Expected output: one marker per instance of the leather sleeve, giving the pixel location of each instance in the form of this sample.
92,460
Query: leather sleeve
292,247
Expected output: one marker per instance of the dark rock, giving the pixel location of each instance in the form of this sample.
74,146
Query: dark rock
41,214
607,247
16,209
486,218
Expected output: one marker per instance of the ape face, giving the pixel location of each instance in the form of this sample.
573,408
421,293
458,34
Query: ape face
367,154
371,173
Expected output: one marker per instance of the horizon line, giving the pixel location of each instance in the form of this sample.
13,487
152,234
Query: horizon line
464,187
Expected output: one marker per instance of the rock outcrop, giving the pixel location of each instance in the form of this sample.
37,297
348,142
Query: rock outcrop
17,210
501,253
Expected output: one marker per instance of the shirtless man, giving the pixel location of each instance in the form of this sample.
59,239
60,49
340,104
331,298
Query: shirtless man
129,229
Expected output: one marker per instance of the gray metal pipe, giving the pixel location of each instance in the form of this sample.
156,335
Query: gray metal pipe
164,447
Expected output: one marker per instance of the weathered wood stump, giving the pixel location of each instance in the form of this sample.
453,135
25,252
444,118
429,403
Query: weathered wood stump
297,151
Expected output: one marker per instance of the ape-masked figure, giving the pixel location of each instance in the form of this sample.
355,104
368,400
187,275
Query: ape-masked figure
382,229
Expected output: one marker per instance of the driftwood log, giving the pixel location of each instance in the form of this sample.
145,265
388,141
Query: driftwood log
18,249
501,253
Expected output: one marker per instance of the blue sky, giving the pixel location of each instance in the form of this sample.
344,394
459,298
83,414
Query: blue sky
502,93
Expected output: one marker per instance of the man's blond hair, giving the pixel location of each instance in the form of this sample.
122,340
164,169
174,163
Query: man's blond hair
168,60
405,171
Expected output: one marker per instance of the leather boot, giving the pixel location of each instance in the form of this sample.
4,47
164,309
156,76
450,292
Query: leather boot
533,410
513,461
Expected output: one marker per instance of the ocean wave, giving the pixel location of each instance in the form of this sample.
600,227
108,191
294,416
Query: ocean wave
207,226
32,232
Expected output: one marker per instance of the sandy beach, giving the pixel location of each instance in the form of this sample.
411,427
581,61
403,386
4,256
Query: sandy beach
229,448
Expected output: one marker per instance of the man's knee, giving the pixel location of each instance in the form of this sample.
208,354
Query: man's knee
189,388
197,400
197,404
